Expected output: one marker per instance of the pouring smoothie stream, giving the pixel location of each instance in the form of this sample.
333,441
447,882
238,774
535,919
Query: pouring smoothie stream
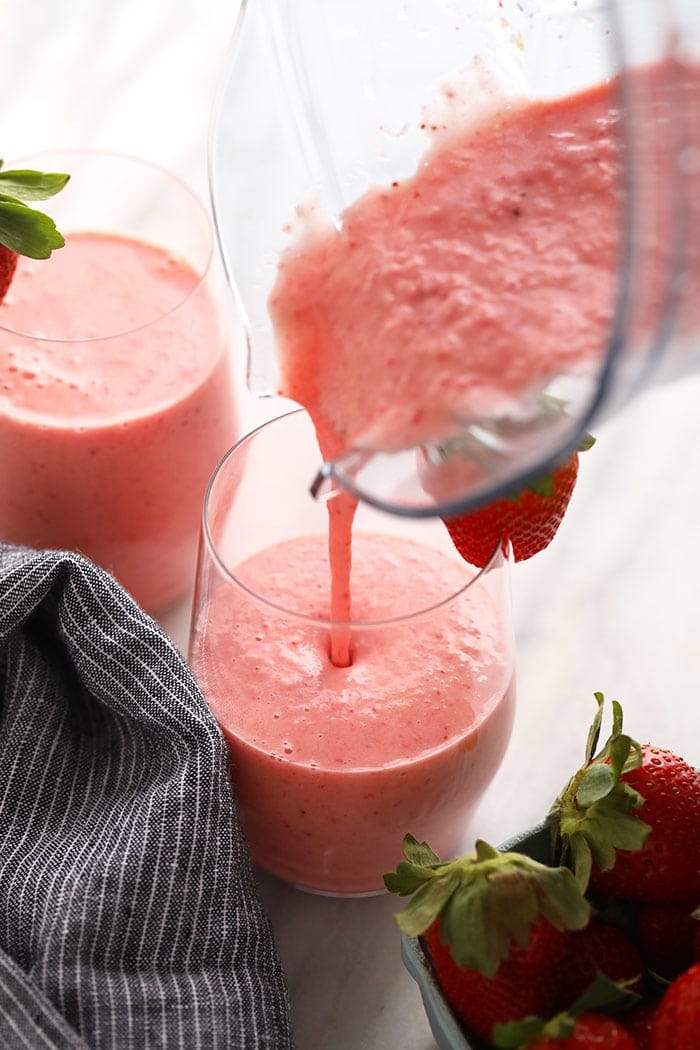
457,293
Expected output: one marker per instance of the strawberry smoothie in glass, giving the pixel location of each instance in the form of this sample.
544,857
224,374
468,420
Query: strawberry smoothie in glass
357,704
116,398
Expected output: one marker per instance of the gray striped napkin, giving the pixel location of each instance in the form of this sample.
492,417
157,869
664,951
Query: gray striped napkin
128,912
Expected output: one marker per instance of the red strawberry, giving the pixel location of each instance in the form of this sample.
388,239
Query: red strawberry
665,935
589,1032
667,868
24,230
628,820
677,1021
526,981
8,265
639,1022
599,948
529,519
585,1024
493,925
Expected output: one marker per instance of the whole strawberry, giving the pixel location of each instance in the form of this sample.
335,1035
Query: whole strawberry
589,1032
24,230
526,983
494,926
628,820
589,1022
599,948
528,518
677,1020
665,935
639,1022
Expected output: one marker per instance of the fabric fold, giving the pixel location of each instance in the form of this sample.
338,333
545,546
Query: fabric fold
128,912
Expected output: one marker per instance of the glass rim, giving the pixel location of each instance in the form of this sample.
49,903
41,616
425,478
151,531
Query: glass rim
502,549
156,169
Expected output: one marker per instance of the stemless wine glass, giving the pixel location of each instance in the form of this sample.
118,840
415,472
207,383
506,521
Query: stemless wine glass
341,95
116,394
334,762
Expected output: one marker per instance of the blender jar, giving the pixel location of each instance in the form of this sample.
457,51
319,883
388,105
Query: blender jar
322,102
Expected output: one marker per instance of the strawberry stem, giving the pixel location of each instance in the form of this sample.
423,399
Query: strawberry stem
591,818
484,900
603,996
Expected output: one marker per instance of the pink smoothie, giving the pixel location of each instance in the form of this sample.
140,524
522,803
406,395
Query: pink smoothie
333,765
460,292
106,444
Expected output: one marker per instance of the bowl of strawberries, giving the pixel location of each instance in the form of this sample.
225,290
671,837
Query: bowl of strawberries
583,931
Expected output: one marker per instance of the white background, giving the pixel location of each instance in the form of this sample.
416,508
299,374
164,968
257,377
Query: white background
612,605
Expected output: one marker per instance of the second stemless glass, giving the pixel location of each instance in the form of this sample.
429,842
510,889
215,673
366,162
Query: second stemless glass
333,765
116,397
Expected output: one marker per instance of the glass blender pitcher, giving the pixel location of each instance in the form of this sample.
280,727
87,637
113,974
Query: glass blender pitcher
325,101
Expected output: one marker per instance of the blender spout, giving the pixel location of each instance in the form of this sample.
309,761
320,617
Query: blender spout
482,462
343,475
323,485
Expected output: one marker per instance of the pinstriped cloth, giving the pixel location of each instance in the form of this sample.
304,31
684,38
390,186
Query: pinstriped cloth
128,912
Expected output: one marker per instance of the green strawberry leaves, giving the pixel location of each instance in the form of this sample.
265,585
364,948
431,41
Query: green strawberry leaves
592,817
522,1032
28,232
28,185
25,230
544,484
485,900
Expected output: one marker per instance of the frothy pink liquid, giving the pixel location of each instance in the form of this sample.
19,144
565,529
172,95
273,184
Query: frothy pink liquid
460,292
333,765
455,292
106,444
463,289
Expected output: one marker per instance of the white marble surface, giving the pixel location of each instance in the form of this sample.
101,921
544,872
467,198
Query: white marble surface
612,605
